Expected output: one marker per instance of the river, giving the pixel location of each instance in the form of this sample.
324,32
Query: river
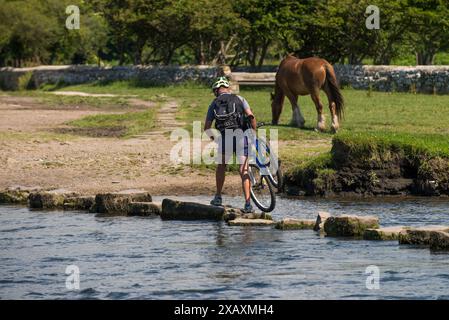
146,258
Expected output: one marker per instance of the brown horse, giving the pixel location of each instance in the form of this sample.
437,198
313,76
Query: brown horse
300,77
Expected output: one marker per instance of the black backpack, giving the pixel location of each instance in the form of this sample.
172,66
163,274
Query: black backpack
228,112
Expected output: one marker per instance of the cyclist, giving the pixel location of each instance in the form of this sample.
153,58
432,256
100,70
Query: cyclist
229,111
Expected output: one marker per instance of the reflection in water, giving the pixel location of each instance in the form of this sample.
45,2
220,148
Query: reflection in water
128,258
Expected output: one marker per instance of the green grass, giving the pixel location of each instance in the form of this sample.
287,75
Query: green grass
430,145
121,125
58,101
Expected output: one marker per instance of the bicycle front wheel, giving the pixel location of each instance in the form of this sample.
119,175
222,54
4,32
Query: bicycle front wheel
262,192
274,164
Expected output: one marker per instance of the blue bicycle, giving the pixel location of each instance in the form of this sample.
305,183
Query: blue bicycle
264,172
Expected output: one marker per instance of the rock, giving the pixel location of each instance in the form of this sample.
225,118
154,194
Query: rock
53,199
118,203
84,203
251,222
177,210
320,219
439,241
295,224
17,194
144,209
232,213
421,235
349,226
387,233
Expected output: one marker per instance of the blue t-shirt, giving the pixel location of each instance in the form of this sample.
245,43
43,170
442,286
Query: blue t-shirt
210,112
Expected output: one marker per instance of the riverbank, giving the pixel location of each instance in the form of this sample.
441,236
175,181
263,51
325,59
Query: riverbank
375,164
106,137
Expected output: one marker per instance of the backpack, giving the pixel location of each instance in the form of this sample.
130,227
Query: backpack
228,112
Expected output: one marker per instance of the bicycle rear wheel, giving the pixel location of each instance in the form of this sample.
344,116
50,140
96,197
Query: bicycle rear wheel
262,192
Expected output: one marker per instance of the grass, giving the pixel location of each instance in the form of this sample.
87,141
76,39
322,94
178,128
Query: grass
430,145
120,125
57,101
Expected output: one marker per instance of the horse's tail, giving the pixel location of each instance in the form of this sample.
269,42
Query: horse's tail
334,90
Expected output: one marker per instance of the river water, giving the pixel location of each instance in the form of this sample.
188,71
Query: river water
146,258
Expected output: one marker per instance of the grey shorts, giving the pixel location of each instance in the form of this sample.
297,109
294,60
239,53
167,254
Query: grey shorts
228,145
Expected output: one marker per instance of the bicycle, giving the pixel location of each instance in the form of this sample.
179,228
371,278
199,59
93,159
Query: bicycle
262,179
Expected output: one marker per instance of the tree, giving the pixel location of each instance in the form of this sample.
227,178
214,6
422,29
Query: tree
429,28
31,32
214,31
263,22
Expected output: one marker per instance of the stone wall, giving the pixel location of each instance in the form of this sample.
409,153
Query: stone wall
15,78
423,79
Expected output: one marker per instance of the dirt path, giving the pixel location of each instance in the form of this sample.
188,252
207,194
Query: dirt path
34,155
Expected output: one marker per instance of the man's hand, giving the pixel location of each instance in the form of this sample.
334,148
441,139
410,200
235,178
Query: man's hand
207,126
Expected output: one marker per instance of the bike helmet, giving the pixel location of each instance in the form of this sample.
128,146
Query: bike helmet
221,82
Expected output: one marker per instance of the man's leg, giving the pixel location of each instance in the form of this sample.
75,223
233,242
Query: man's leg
220,172
220,177
245,180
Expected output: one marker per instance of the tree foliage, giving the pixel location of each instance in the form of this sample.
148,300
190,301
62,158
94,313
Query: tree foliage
232,32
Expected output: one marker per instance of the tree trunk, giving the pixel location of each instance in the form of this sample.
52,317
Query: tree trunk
169,56
425,57
263,54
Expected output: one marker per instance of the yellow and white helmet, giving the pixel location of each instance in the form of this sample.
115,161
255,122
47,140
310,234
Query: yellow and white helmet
221,82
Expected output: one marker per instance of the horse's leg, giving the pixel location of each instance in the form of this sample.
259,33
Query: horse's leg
297,118
333,109
321,121
276,105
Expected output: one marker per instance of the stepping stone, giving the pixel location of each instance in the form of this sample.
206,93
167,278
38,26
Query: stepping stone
118,202
387,233
177,210
241,222
349,225
53,199
320,219
232,213
421,235
144,209
295,224
439,241
17,194
79,203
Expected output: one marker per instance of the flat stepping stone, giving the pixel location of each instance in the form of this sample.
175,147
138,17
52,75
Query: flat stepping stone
295,224
420,235
178,210
439,241
144,209
82,203
17,194
349,225
241,222
53,199
386,233
118,202
232,213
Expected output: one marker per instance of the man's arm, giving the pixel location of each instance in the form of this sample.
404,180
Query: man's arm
251,117
207,124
